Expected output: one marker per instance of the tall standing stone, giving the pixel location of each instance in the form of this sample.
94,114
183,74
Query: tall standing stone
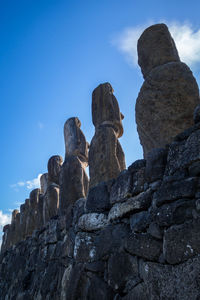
106,157
73,178
169,94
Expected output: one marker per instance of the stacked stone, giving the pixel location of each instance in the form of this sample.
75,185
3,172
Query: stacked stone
169,94
147,234
73,178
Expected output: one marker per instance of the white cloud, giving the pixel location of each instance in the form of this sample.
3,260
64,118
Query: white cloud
187,40
29,184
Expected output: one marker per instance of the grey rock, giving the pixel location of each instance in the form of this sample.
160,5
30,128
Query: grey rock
140,221
155,164
51,202
196,115
138,293
122,268
143,245
155,48
98,198
92,222
181,242
43,183
139,202
172,191
122,187
54,168
155,231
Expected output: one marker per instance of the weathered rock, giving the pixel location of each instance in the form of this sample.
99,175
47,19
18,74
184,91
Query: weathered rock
171,191
75,141
155,164
73,178
92,221
122,269
171,282
167,99
6,242
196,115
106,157
51,202
134,204
155,48
98,198
137,293
182,242
32,212
165,105
140,221
175,213
54,168
73,183
43,183
143,245
122,187
105,108
137,170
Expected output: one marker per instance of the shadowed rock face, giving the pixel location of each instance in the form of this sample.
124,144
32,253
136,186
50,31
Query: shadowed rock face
54,167
169,94
43,183
75,141
106,157
73,178
32,216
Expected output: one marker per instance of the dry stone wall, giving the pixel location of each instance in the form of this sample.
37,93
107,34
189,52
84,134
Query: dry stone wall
134,235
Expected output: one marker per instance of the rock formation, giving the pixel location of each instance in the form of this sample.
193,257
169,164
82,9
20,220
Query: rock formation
169,93
106,157
73,178
32,215
51,188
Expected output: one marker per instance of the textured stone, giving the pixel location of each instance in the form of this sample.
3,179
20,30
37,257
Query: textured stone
171,282
183,154
54,168
140,202
92,222
155,48
165,105
171,191
122,269
140,221
196,115
98,198
51,202
32,214
75,141
182,242
105,108
155,164
143,245
106,157
43,183
122,187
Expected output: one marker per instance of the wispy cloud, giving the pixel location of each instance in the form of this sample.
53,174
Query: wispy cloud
186,37
29,184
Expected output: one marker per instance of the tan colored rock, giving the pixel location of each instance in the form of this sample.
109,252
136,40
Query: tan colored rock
169,94
54,167
51,202
32,217
106,157
156,47
105,108
73,178
43,183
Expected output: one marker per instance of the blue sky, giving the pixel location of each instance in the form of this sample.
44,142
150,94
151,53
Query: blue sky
52,55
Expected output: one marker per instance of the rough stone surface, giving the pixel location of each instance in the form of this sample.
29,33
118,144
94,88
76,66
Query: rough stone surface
155,48
92,222
155,164
122,187
98,198
43,183
196,115
106,157
51,202
168,96
54,168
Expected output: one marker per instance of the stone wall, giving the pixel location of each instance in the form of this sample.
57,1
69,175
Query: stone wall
134,237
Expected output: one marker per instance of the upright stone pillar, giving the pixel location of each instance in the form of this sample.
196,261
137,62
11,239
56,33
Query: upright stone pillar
73,178
106,157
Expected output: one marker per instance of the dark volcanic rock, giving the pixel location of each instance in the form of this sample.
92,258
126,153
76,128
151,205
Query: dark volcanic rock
155,165
121,189
98,198
182,242
172,191
143,245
